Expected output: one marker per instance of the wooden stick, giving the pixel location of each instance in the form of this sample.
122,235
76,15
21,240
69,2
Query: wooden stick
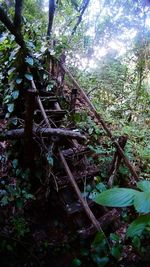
116,161
77,190
20,133
101,120
40,103
108,219
28,142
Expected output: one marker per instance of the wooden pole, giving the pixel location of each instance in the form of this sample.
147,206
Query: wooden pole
28,142
45,132
78,192
101,120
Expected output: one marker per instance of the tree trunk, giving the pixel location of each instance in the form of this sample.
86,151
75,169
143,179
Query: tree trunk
51,16
18,14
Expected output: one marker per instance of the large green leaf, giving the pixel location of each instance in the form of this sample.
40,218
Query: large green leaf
138,225
144,185
116,197
142,202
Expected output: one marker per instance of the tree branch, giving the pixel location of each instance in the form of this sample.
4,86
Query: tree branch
45,132
18,14
82,10
52,6
10,26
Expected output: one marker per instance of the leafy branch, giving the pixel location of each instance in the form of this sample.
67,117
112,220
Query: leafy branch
11,27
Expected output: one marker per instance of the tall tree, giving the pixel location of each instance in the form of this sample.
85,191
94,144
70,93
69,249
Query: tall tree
52,6
18,14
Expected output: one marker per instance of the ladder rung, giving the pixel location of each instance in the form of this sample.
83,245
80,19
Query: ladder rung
49,98
87,174
53,112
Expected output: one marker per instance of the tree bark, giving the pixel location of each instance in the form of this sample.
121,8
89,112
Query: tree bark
28,137
45,132
10,26
52,6
18,14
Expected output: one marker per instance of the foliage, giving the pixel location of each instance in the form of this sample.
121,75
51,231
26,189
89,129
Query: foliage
20,226
122,197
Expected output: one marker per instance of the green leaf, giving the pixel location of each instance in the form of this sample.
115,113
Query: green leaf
12,55
93,194
90,130
116,197
116,251
49,87
15,163
136,242
43,49
76,262
4,201
29,60
142,202
10,107
50,160
99,238
7,115
14,121
18,80
144,185
138,226
114,237
101,187
11,71
18,171
19,203
15,94
100,261
29,76
31,45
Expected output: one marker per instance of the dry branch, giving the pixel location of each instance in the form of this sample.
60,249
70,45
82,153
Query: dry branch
45,132
116,161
